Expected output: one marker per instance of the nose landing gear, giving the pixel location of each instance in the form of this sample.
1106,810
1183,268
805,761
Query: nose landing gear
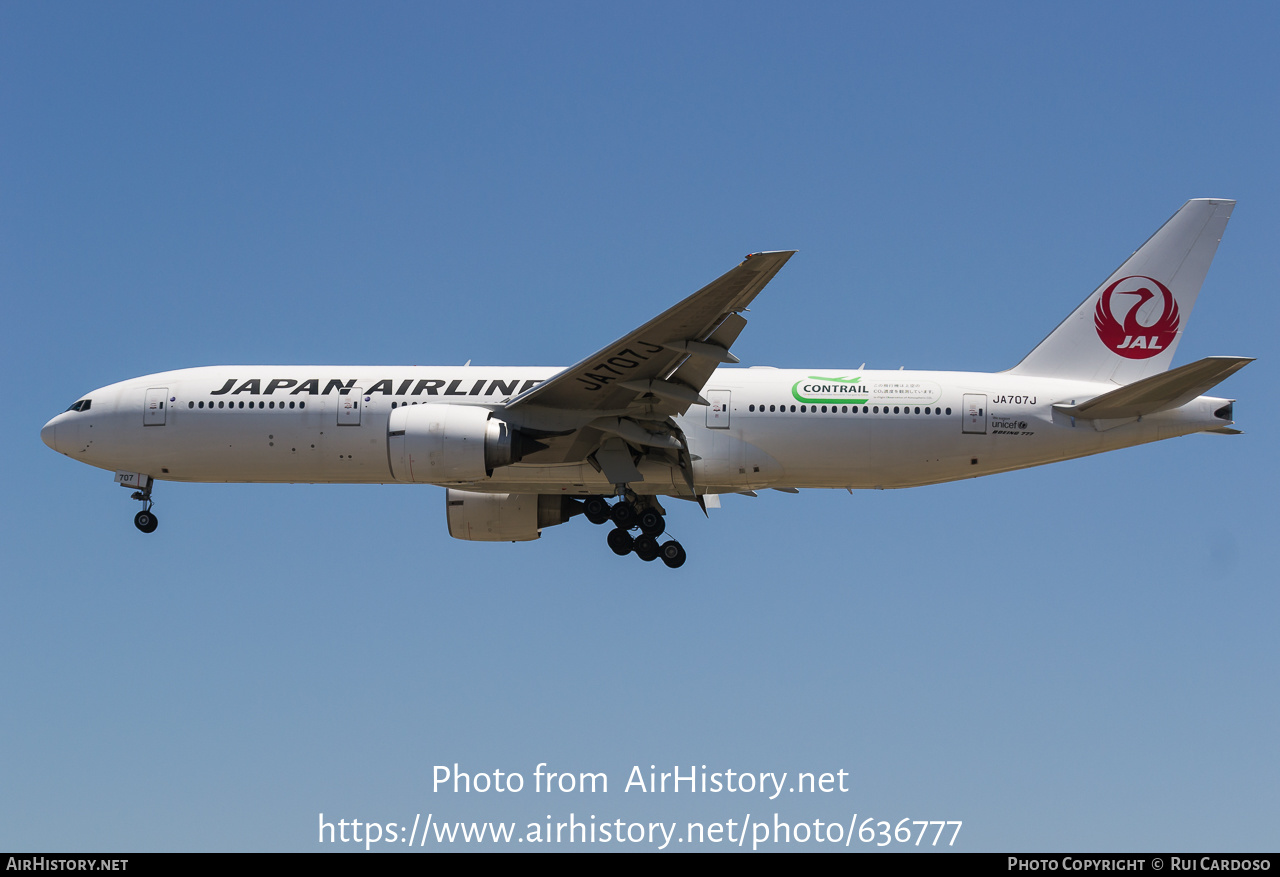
627,515
145,520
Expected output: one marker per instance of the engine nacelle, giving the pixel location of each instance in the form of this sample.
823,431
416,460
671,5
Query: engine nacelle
442,444
505,517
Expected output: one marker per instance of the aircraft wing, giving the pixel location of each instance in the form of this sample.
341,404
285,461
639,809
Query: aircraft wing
661,367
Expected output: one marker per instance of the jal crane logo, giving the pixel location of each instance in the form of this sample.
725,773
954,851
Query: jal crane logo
1149,325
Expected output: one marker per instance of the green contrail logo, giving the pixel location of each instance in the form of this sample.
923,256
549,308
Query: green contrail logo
816,388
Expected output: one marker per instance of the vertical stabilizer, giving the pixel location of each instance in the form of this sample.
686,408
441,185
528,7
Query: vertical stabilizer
1129,328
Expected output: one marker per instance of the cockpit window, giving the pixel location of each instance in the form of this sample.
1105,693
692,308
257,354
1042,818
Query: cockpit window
82,405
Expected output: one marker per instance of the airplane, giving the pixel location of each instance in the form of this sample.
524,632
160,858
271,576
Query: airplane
659,414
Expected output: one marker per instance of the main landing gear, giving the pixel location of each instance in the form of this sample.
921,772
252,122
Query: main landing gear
627,516
145,520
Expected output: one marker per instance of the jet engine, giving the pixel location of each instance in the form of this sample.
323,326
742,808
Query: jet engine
441,444
505,517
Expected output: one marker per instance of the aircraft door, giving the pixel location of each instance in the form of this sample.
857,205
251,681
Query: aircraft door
975,413
718,410
153,408
350,406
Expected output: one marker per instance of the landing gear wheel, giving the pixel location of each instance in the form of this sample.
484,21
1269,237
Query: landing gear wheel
146,521
620,542
672,554
646,548
652,523
596,509
623,514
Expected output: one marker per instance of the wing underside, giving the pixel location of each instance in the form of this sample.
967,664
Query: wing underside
622,400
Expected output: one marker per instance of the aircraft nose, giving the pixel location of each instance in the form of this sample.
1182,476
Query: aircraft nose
49,434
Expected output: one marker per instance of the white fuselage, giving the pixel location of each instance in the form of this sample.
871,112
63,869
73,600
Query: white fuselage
819,428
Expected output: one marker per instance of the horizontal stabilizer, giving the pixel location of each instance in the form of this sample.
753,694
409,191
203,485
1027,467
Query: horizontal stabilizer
1160,392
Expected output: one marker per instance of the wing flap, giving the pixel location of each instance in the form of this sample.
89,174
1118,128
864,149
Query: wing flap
616,462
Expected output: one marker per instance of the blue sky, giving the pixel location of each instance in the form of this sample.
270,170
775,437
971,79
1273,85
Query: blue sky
1080,656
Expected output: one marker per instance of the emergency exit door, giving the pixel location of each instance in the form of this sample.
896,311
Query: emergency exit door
349,407
718,410
153,407
975,413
